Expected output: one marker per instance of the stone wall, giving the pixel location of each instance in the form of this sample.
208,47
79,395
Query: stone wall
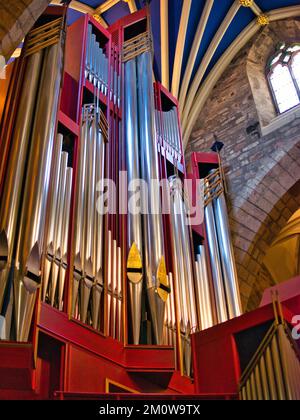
262,171
16,19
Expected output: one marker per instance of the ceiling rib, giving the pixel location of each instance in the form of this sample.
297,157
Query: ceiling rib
164,39
108,4
131,5
176,74
194,51
77,5
206,60
255,9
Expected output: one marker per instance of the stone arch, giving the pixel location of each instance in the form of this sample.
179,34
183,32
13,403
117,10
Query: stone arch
262,48
258,218
17,18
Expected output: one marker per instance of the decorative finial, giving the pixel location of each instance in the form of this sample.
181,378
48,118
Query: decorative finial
263,20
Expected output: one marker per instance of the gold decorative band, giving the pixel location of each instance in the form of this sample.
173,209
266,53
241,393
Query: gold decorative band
136,46
213,186
43,37
103,125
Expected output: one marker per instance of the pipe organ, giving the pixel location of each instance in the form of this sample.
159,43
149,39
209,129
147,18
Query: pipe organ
70,243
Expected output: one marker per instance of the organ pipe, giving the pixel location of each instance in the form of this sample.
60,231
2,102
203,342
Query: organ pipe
227,256
227,297
89,231
152,221
134,220
145,232
24,204
215,261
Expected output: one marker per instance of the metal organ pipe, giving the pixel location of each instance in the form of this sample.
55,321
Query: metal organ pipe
12,192
145,232
90,186
152,222
58,225
54,188
99,235
183,268
31,228
134,222
80,201
202,288
215,258
64,239
89,229
227,256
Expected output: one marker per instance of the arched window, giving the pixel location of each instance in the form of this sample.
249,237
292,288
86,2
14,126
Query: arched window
283,73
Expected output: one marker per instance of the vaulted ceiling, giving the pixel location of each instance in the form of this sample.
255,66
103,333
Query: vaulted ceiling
194,40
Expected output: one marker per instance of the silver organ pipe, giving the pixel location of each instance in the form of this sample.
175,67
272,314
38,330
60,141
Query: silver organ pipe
65,236
79,215
53,198
134,220
24,200
96,63
183,269
203,290
215,258
221,251
145,233
31,230
226,251
97,288
58,226
12,193
89,224
152,222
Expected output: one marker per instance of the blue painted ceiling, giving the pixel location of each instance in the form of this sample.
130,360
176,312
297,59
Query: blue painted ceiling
219,10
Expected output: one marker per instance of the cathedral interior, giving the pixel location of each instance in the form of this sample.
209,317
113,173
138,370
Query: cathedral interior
150,199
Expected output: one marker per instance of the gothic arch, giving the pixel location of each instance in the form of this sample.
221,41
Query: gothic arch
260,216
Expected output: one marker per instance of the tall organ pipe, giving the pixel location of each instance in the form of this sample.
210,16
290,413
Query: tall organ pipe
183,268
80,213
134,222
152,221
33,213
98,237
52,213
65,231
215,258
12,191
227,257
87,280
58,225
179,271
202,286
